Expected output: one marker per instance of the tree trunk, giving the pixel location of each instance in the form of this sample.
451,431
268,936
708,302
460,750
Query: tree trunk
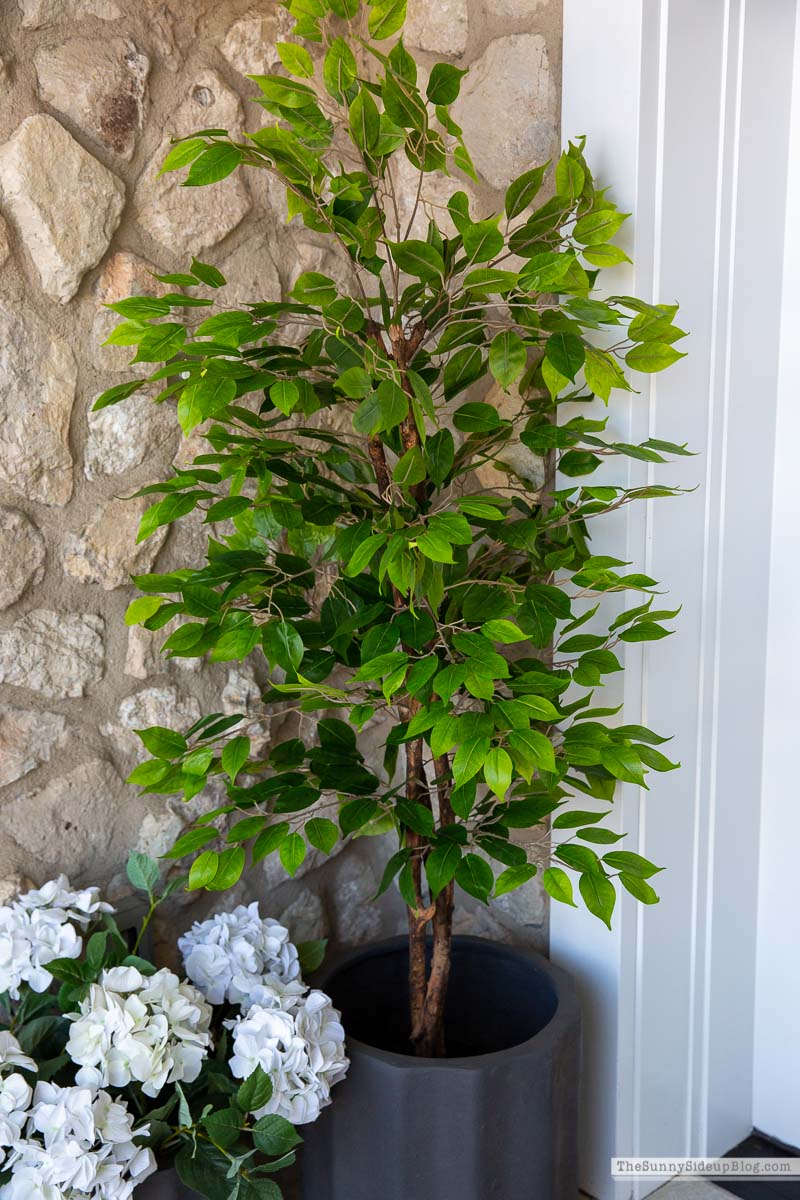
428,992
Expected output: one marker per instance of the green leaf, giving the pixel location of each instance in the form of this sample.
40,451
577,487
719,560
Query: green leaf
269,841
435,547
223,1126
513,878
204,398
255,1092
523,190
235,755
570,178
67,970
410,469
114,395
365,121
558,885
605,256
140,308
440,456
322,834
475,876
507,357
602,373
441,865
292,852
355,382
202,1169
497,771
161,342
311,955
213,164
639,888
531,751
182,154
505,632
142,872
444,83
229,870
469,758
356,813
284,395
482,241
417,258
187,843
314,288
161,742
598,227
339,70
296,59
599,895
283,645
141,608
566,352
274,1135
386,18
415,816
207,274
364,553
631,864
652,356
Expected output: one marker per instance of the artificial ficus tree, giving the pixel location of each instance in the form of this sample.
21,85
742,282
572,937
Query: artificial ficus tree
345,428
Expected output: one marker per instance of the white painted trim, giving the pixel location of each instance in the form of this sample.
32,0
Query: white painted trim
776,1101
685,105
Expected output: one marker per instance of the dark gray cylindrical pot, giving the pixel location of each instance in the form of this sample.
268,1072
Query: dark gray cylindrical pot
164,1185
498,1121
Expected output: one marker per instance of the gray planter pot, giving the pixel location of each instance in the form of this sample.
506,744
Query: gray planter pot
498,1122
164,1185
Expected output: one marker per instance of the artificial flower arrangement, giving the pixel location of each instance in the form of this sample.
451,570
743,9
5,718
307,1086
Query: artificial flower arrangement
110,1067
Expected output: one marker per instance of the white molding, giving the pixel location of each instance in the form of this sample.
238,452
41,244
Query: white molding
777,1052
685,105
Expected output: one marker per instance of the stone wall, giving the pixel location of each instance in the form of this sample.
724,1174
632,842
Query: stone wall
90,93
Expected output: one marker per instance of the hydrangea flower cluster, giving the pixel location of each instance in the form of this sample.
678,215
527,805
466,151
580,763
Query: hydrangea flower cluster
244,958
154,1030
15,1092
302,1051
42,925
73,1142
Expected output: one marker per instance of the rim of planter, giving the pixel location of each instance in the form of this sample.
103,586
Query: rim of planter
566,1015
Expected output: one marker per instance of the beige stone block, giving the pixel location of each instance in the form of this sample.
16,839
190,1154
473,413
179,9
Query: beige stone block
37,389
22,555
190,220
36,14
106,550
508,108
442,28
55,654
27,740
98,84
249,43
65,204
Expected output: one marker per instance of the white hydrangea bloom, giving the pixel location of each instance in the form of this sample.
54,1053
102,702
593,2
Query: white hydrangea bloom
233,953
302,1052
154,1030
11,1053
81,907
76,1143
15,1099
40,926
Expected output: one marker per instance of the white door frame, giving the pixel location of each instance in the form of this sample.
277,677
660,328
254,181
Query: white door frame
686,107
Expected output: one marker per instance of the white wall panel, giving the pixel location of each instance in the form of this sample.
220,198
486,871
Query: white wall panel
685,105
